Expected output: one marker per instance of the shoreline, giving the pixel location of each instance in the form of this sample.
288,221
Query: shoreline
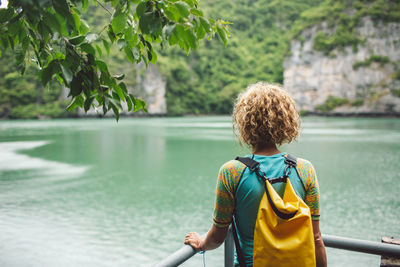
161,115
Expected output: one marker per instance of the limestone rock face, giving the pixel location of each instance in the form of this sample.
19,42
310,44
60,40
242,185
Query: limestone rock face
311,76
151,86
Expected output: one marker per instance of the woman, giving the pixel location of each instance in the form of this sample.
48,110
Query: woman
264,117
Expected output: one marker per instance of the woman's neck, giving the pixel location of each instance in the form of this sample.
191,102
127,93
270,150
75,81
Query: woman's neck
267,150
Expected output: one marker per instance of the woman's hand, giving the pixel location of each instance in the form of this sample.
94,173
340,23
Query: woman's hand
195,240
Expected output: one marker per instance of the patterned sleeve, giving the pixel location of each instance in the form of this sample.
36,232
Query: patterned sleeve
309,177
228,179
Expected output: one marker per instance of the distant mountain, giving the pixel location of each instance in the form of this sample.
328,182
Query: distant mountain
264,35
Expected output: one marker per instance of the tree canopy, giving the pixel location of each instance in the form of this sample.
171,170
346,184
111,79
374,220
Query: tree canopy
53,35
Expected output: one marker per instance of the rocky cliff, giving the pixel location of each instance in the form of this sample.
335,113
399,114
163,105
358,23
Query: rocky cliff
362,78
150,86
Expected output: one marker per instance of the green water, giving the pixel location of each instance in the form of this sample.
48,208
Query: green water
101,193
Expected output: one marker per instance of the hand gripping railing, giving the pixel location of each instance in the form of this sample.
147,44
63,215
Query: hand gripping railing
370,247
186,252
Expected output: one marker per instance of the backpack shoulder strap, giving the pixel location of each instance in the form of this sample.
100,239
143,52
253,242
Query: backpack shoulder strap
250,163
291,161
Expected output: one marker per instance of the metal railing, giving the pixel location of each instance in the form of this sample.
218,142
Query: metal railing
364,246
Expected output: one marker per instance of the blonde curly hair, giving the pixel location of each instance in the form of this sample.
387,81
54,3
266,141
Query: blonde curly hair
265,114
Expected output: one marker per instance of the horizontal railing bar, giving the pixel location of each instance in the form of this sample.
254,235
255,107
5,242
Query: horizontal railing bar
178,257
364,246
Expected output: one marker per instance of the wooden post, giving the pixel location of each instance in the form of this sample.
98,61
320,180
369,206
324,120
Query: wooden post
386,261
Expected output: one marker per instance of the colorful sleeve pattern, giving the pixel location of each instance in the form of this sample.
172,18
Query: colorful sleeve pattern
309,177
228,179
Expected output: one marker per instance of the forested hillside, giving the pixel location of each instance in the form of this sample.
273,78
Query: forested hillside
207,80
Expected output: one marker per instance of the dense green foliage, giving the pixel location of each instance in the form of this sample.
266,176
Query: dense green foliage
209,78
331,103
24,96
382,60
62,44
343,16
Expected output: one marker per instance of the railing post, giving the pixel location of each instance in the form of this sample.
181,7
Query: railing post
229,247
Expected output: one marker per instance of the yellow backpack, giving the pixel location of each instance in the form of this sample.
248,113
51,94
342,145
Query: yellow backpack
283,234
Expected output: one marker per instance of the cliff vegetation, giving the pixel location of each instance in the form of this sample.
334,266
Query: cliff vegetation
208,80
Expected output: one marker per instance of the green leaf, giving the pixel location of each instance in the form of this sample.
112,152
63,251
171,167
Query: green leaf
145,21
128,35
77,39
67,73
153,57
191,38
99,51
51,21
132,97
76,102
59,55
189,2
6,14
123,87
85,5
155,25
25,44
201,33
134,40
61,7
129,102
129,54
119,22
139,104
205,24
140,9
114,107
172,13
222,34
76,86
106,46
183,8
149,55
88,102
15,28
48,72
197,12
77,21
84,27
88,48
120,92
173,39
145,61
102,66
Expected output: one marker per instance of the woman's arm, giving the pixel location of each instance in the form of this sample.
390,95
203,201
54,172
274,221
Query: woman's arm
320,252
215,237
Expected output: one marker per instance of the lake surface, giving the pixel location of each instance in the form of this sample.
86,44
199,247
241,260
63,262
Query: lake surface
100,193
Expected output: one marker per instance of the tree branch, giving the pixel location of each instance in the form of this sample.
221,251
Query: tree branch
98,2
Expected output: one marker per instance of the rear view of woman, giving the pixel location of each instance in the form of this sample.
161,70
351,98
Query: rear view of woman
264,117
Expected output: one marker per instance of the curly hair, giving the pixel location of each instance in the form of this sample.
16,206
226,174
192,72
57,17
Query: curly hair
265,114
